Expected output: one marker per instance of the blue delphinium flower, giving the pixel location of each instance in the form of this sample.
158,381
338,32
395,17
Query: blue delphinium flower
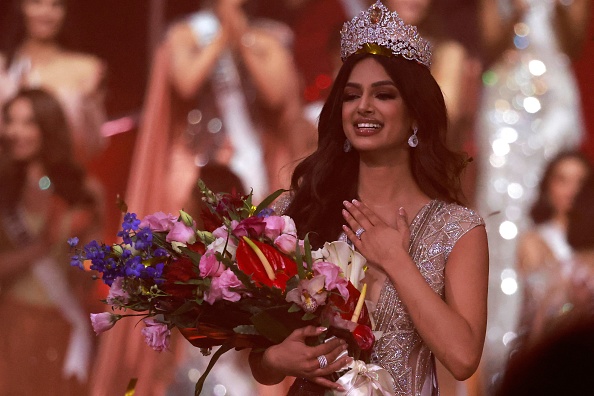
77,261
125,235
130,223
265,212
144,239
73,241
160,252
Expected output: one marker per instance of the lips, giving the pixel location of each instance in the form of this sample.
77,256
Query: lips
367,127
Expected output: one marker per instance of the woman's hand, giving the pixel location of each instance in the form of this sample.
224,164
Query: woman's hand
294,358
379,243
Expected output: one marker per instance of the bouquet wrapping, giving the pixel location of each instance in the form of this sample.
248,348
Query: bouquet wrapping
243,280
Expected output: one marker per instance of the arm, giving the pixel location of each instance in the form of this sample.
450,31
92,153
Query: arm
190,66
448,68
571,22
454,328
497,36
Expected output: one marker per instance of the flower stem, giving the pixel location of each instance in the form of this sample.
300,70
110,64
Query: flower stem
359,307
263,259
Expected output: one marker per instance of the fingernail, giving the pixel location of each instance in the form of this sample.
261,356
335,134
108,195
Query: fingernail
355,202
340,388
322,329
401,211
346,203
344,212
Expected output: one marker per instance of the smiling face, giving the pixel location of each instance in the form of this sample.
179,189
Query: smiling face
43,18
21,131
374,115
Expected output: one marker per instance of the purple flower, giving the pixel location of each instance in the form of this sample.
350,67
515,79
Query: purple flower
156,334
144,239
210,266
159,221
104,321
77,261
73,241
274,226
334,277
221,288
252,227
181,233
309,293
266,212
117,295
130,223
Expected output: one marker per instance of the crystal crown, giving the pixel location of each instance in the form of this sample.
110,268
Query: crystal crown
380,31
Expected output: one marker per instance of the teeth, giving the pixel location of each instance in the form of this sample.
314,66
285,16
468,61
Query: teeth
367,125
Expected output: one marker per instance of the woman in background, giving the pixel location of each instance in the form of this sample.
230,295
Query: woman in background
543,252
45,335
34,56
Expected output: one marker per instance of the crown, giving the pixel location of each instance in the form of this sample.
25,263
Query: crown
379,31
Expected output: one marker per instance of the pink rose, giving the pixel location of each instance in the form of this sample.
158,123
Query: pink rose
221,288
210,266
104,321
117,295
181,233
334,277
159,221
156,334
252,227
290,227
287,243
274,226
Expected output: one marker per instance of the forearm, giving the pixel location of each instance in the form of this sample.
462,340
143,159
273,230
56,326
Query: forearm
261,371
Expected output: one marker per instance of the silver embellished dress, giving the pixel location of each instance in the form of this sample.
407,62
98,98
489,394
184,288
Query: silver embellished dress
434,232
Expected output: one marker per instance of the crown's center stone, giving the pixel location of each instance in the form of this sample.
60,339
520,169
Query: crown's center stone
375,15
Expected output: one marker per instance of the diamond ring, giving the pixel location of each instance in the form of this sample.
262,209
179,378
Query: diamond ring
322,361
360,231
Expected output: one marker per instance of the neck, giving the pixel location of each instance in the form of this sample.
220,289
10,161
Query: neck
39,50
388,183
560,220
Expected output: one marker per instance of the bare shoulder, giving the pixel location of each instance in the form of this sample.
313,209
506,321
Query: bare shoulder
180,33
89,70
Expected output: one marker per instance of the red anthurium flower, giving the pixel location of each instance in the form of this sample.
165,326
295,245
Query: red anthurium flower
364,337
346,308
282,265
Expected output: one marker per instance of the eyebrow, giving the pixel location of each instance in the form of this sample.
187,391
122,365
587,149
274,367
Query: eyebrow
375,84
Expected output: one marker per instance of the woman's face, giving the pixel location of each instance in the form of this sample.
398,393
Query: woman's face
21,131
43,18
412,12
565,182
374,115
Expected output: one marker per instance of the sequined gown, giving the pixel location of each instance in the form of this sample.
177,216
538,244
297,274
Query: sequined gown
434,232
530,111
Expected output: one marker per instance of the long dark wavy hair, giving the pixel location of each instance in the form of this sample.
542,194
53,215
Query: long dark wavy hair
542,210
581,217
56,154
326,178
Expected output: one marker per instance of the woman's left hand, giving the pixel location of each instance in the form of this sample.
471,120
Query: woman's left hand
372,237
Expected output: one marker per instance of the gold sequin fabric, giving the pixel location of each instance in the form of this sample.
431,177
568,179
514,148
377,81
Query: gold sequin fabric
434,232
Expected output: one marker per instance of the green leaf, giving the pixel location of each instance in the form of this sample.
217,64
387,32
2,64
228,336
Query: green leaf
268,200
294,308
308,316
246,329
276,324
308,258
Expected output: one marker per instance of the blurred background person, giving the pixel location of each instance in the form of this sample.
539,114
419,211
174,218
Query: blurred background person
46,341
530,110
34,55
544,254
223,91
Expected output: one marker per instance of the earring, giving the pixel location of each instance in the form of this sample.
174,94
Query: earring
347,146
413,140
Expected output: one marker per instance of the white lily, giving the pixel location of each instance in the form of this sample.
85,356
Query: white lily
340,253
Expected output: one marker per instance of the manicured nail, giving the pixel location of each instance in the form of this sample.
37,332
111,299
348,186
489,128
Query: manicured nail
322,329
346,203
401,211
356,203
345,212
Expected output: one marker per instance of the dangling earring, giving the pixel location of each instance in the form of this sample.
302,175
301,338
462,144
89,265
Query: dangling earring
347,146
413,140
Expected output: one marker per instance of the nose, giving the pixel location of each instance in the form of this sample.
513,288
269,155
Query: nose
365,105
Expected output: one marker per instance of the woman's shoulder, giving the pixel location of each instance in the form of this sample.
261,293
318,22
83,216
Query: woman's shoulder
459,212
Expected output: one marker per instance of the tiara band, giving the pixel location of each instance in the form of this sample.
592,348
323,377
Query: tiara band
379,31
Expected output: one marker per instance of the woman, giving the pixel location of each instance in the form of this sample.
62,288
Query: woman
543,252
46,340
383,176
530,110
34,56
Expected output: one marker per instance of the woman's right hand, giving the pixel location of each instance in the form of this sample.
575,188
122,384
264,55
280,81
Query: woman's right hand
294,358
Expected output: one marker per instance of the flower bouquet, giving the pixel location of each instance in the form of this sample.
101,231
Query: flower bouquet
243,281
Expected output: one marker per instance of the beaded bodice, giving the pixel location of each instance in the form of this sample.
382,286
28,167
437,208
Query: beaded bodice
434,232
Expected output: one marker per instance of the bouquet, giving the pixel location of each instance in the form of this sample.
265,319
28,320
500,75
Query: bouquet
245,280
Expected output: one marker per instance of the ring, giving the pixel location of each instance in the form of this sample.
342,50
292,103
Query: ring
360,231
322,361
